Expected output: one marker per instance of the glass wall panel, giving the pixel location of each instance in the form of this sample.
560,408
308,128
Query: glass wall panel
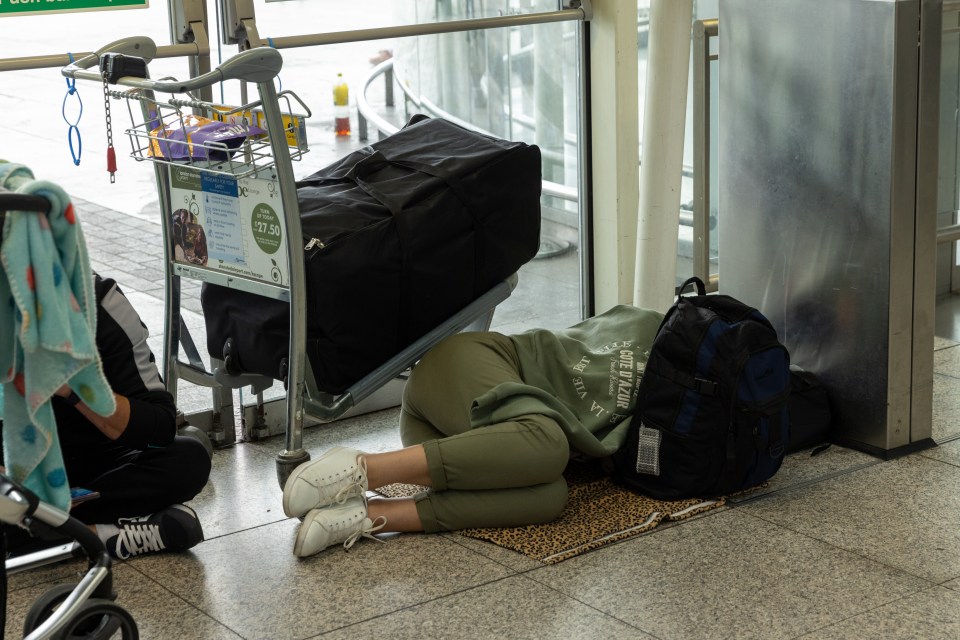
946,386
518,83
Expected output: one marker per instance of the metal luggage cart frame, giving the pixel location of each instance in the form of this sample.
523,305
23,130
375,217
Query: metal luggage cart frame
268,158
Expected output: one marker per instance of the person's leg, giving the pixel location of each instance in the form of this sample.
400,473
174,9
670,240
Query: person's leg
434,511
437,398
415,430
454,510
448,510
507,474
407,465
400,514
443,385
137,483
139,509
524,452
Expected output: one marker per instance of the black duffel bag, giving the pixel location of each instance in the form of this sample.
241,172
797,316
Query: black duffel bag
402,234
810,415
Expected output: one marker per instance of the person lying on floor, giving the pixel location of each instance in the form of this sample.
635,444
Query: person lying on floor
488,423
142,470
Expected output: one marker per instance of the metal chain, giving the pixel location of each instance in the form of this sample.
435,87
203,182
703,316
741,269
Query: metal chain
111,154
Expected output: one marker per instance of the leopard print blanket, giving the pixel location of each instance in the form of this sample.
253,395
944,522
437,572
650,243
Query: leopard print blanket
598,513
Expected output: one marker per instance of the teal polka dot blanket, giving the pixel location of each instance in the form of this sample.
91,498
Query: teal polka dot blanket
47,333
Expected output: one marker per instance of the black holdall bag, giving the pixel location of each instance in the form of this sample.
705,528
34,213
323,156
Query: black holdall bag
711,415
810,415
398,237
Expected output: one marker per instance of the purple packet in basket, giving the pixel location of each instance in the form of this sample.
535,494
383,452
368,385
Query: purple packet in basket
201,139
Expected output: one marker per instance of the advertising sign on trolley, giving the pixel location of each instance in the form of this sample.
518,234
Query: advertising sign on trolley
231,225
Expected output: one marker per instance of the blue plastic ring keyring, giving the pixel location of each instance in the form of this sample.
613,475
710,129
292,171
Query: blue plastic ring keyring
73,130
71,82
75,154
63,109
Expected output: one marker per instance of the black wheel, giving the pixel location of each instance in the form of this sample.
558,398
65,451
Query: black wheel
44,606
96,619
99,620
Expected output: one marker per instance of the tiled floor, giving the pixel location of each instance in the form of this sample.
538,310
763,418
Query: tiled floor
841,545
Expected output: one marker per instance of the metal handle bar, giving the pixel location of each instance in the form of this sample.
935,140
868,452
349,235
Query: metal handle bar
582,12
286,95
255,65
140,46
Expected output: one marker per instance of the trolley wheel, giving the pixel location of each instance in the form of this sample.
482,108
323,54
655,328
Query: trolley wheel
101,619
287,461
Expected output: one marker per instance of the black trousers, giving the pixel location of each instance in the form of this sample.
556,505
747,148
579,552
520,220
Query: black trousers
131,483
136,483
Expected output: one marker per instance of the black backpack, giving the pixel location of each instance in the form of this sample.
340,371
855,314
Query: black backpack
711,415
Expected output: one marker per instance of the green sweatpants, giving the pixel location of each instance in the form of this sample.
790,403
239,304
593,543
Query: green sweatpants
500,475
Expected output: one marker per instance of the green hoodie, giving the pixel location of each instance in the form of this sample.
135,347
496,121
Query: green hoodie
585,377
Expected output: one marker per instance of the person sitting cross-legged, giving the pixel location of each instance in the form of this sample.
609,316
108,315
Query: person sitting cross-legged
142,470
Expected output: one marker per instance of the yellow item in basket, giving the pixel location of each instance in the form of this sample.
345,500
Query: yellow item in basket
294,126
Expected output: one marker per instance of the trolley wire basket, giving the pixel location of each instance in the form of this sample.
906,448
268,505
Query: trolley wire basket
211,137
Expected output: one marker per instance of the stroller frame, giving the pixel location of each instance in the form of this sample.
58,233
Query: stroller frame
21,507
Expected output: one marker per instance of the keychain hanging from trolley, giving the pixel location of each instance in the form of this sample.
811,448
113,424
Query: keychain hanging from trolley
114,66
111,153
73,128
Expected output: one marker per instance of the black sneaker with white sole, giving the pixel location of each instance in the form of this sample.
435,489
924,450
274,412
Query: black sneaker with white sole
175,528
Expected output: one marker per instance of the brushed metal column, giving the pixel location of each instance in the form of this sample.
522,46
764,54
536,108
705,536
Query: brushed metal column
827,166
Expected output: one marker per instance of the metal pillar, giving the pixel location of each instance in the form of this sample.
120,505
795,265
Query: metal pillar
828,154
661,165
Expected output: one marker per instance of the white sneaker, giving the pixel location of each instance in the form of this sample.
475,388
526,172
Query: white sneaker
334,477
331,525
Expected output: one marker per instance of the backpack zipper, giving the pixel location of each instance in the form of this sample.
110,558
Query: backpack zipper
314,243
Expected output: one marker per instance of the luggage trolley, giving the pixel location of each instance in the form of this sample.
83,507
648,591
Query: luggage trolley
254,192
225,174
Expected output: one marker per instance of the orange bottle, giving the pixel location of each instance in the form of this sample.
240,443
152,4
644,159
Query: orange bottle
341,106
